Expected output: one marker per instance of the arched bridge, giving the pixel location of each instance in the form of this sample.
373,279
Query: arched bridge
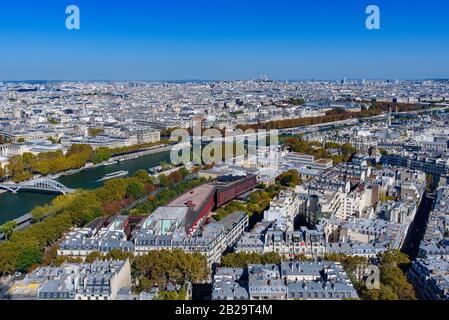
43,185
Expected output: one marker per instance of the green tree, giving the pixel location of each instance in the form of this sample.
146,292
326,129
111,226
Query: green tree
40,213
430,183
394,278
144,284
332,145
161,267
348,151
93,132
271,258
28,258
394,258
184,172
118,255
289,179
53,121
60,260
163,180
135,190
83,149
142,176
393,267
8,228
94,256
112,190
101,154
383,293
232,207
258,202
243,259
172,295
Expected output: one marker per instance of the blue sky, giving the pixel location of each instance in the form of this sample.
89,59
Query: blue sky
223,40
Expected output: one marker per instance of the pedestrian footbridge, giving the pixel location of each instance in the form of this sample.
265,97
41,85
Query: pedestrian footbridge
38,185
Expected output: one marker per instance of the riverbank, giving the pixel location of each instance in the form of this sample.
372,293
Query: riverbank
14,206
21,223
115,160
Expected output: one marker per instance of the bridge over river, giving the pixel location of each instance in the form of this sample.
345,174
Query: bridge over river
38,185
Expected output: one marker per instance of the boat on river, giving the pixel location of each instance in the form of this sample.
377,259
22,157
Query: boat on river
114,175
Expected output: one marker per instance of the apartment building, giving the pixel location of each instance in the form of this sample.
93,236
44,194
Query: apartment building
284,209
430,277
267,237
164,229
101,280
287,281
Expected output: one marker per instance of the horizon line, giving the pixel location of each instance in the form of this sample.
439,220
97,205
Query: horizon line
228,80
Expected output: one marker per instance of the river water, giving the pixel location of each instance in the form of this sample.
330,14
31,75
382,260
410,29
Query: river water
13,206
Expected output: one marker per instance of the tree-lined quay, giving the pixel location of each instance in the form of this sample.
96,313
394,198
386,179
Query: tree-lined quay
25,249
24,167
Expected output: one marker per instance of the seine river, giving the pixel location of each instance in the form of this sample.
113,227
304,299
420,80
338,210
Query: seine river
13,206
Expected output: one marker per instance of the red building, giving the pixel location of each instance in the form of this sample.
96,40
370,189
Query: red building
203,199
230,187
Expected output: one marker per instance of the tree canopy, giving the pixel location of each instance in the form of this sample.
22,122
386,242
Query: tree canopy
243,259
289,179
24,167
8,228
375,109
158,268
345,151
393,267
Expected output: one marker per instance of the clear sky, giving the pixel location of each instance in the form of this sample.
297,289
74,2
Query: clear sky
223,40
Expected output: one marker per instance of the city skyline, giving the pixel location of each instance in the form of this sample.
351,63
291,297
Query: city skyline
219,80
223,41
227,155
